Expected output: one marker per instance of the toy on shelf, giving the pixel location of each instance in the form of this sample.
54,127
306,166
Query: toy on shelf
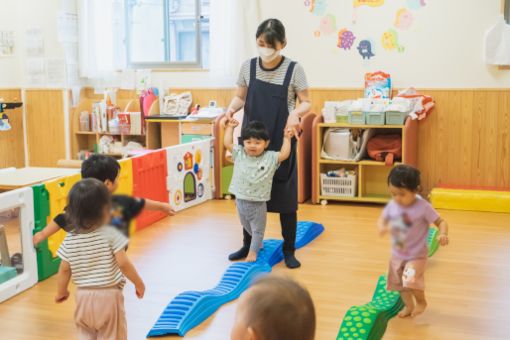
19,271
189,309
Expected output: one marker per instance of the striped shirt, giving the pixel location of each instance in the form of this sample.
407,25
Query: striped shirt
91,257
276,76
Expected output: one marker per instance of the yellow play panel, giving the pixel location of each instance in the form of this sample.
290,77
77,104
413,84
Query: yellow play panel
58,190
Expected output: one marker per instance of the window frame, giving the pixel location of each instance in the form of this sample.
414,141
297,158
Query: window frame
195,65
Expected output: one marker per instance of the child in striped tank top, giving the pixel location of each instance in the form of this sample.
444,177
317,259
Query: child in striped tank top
94,256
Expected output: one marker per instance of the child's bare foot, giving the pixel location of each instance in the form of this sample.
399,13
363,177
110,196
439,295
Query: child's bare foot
252,256
419,309
404,313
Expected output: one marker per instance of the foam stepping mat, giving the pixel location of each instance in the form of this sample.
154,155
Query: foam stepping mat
370,320
189,309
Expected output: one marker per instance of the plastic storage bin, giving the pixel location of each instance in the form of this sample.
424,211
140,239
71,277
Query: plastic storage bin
342,118
357,117
338,186
375,118
395,118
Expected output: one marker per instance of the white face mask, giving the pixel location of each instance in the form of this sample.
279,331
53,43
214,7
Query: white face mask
268,54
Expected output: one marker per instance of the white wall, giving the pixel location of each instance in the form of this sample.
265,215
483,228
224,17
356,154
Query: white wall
19,15
443,47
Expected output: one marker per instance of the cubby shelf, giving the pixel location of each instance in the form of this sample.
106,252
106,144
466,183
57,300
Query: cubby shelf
371,174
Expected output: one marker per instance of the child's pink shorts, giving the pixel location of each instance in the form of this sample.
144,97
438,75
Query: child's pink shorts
406,274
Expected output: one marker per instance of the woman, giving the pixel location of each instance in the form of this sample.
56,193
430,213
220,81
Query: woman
267,89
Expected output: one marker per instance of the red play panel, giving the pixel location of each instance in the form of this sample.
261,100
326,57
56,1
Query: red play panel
149,181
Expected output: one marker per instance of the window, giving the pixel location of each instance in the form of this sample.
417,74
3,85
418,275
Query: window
167,33
507,11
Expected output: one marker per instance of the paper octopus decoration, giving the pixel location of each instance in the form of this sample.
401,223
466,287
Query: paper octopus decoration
365,49
345,39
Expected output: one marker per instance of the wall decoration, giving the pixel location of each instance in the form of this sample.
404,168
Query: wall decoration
415,4
190,182
345,39
404,19
390,42
316,7
371,3
317,33
365,49
327,24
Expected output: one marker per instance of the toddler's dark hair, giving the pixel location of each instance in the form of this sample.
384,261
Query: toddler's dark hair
405,177
255,130
279,308
86,204
100,167
273,31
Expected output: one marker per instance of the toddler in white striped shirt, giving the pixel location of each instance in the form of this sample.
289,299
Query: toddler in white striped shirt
94,256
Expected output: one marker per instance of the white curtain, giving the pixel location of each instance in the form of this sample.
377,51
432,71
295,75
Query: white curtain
233,25
101,38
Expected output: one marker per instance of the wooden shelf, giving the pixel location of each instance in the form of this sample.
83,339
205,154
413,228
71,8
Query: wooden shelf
362,162
359,126
85,133
371,175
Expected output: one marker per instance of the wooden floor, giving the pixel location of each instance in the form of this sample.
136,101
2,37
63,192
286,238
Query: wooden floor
468,283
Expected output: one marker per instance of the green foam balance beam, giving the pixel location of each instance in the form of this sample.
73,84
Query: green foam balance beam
369,321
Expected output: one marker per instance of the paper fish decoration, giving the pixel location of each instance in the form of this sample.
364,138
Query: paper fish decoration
365,49
371,3
316,7
415,4
345,39
389,41
404,19
327,24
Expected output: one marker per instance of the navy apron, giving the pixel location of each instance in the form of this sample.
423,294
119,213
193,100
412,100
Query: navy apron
268,103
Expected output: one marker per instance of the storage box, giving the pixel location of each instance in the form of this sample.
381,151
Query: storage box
338,186
342,118
395,118
357,117
375,118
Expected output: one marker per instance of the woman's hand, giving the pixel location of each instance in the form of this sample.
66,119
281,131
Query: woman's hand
293,124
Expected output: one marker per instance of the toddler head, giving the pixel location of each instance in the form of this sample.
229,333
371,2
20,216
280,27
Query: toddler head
275,308
103,168
255,138
88,205
404,184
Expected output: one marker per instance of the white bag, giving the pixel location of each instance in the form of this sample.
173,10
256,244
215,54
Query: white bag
497,44
177,104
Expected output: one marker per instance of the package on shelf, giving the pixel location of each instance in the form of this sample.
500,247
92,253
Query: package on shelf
378,85
130,123
108,145
336,111
423,104
375,105
113,126
84,121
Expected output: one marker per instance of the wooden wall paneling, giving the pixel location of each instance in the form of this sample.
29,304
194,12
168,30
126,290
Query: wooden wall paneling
44,110
503,144
489,147
12,145
465,126
464,141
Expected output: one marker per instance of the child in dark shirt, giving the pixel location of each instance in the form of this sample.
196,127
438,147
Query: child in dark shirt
124,208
